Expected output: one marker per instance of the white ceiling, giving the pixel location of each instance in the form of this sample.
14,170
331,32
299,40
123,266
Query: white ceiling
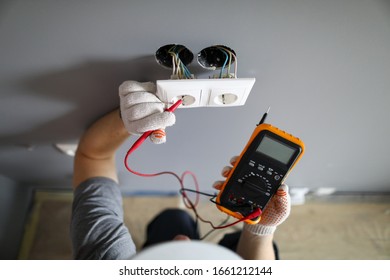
323,67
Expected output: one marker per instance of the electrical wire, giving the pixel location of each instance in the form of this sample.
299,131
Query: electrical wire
224,64
228,61
231,54
173,65
202,193
178,67
213,229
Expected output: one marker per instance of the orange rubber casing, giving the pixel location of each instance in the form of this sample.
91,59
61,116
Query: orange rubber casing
258,129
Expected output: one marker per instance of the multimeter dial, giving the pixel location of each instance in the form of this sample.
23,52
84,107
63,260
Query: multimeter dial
255,183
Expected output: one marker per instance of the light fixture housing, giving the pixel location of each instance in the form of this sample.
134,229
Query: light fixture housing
66,148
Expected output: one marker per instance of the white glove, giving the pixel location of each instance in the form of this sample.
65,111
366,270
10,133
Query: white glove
142,111
276,212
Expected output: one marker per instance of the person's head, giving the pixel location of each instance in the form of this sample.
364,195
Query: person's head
179,249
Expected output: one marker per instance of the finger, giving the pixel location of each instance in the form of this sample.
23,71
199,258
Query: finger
152,122
142,110
158,136
128,100
218,185
226,171
282,190
134,86
234,160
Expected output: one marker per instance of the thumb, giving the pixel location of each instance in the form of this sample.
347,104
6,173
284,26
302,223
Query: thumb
278,208
282,190
158,136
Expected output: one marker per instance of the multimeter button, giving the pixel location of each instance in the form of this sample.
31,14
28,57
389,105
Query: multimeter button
277,177
261,167
269,172
252,163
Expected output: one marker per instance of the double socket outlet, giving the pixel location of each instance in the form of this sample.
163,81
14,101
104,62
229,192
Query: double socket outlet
205,92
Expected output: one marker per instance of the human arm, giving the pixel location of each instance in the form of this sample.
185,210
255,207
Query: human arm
97,227
95,156
255,247
140,111
256,241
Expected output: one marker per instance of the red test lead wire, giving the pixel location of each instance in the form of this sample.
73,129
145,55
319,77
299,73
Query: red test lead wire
256,213
138,143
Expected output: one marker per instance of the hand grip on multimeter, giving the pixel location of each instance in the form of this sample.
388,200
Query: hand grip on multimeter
261,168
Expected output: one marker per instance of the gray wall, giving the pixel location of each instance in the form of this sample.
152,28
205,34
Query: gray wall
323,67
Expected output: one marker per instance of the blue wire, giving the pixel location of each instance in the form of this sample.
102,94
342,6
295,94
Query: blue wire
186,72
226,60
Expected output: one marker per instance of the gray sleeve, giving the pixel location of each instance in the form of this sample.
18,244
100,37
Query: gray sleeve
97,228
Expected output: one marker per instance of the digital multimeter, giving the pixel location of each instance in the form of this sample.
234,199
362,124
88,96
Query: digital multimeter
261,168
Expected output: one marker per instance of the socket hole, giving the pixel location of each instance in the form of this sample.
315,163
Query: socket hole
226,99
164,58
187,100
214,57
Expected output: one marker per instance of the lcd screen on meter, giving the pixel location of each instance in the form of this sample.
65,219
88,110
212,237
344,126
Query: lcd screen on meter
275,149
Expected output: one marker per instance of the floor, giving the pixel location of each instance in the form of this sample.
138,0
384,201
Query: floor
333,227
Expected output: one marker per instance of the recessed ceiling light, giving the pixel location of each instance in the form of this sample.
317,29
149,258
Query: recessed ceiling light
68,149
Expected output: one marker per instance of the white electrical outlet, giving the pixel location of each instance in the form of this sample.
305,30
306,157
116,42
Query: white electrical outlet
205,92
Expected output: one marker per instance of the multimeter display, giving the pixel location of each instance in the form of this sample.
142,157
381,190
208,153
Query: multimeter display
276,149
261,169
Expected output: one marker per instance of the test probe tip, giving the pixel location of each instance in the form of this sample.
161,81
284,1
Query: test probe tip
264,116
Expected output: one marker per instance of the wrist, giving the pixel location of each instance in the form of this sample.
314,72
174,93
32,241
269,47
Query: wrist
255,247
259,229
103,137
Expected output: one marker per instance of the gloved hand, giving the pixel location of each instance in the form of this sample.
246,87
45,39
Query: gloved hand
274,214
142,111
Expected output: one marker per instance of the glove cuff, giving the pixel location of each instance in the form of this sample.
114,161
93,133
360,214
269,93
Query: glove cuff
259,229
